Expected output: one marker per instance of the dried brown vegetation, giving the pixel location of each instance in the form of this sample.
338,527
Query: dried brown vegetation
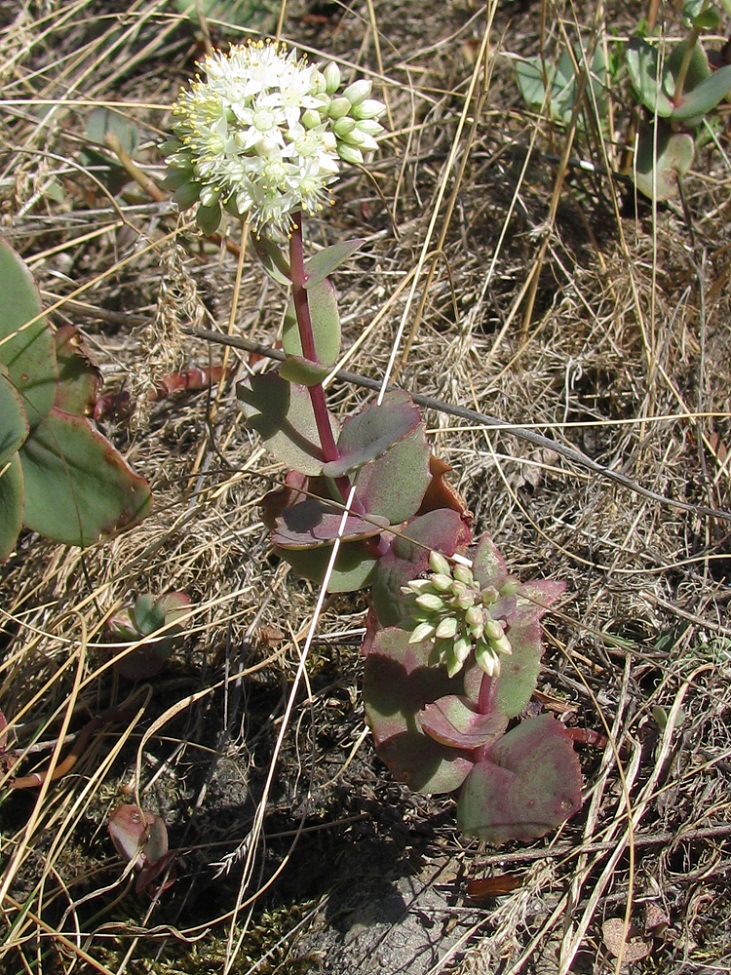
507,281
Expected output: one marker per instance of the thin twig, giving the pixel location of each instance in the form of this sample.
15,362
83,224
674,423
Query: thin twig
484,419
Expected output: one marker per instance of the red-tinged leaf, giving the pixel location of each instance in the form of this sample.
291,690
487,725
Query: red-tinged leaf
488,565
518,671
370,433
322,264
394,484
484,888
129,830
453,720
443,530
282,415
313,522
149,874
397,684
78,488
528,785
629,945
442,494
79,378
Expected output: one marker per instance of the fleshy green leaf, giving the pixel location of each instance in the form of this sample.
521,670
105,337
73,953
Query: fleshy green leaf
644,72
561,81
251,14
147,614
314,522
394,484
11,504
398,683
282,415
79,378
28,352
353,568
105,121
273,259
77,486
321,265
705,96
325,325
529,784
453,720
14,426
370,433
488,565
295,369
658,166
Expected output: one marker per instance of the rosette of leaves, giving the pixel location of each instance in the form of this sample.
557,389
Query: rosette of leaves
442,734
152,625
58,475
679,89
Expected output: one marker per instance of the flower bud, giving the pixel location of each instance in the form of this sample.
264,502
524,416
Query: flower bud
493,630
423,631
462,647
339,108
463,573
438,563
370,108
331,74
430,601
447,629
487,660
370,126
344,127
311,118
358,91
350,154
441,582
473,616
210,195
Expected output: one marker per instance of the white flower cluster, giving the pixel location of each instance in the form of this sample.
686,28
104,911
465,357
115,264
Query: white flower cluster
263,135
450,608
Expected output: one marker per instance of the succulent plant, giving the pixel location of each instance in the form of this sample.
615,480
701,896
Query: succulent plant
452,652
140,625
58,475
443,728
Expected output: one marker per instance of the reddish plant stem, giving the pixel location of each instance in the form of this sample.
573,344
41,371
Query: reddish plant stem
307,338
77,750
298,277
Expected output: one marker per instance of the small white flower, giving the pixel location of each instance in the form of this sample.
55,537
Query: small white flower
260,136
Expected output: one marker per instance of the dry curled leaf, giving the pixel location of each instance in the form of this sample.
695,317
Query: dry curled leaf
635,948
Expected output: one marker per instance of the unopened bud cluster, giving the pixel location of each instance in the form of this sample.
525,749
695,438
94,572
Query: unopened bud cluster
450,608
263,136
